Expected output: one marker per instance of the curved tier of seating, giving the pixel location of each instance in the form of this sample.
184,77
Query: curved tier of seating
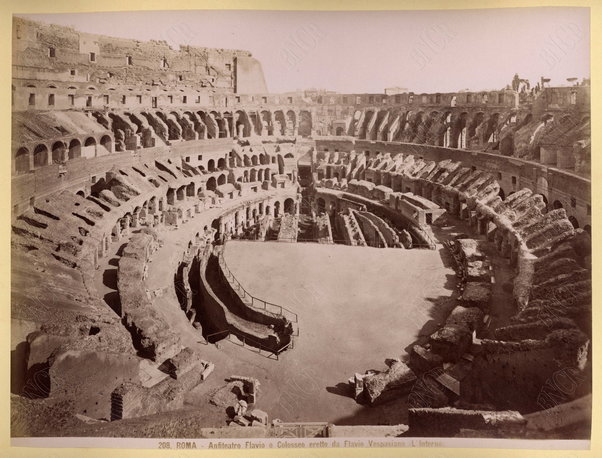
552,283
67,236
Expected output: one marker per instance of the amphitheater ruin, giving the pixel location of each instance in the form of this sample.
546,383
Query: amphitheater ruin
195,257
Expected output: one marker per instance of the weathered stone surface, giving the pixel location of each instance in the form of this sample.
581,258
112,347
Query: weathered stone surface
477,270
469,317
181,363
41,346
89,377
392,383
451,342
477,294
448,421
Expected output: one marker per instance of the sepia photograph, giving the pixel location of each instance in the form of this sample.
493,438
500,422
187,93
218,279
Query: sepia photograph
245,229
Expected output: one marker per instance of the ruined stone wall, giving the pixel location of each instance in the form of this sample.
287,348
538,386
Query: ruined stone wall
152,336
570,191
529,364
50,52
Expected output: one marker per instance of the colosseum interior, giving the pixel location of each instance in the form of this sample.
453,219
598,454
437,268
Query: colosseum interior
195,257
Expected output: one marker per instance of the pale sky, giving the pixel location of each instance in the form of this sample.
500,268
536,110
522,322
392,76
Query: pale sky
356,52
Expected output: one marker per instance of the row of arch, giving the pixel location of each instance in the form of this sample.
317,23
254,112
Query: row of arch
26,159
201,124
449,128
381,177
233,223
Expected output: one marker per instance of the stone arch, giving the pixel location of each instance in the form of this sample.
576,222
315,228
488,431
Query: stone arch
221,164
266,121
107,143
58,152
253,175
477,120
40,155
305,123
211,165
279,122
289,206
22,160
363,127
459,131
557,205
291,122
574,222
211,184
75,149
277,209
243,125
221,179
220,124
90,141
587,228
210,124
502,193
190,191
171,196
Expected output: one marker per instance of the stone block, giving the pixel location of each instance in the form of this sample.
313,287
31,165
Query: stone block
451,342
390,384
260,416
209,367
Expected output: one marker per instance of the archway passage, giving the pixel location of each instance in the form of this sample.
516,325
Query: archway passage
58,150
211,184
107,143
305,124
40,156
75,149
574,222
289,206
277,209
557,205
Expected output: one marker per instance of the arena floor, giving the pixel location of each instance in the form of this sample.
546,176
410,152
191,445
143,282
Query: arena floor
357,306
